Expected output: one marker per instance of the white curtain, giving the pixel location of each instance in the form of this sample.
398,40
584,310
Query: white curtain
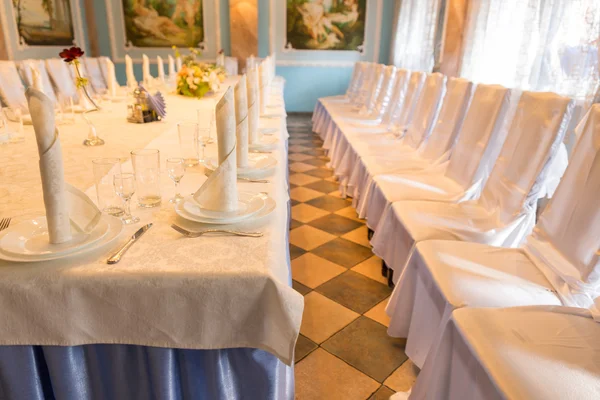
414,34
545,45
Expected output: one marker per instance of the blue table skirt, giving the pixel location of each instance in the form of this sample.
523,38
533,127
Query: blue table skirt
138,372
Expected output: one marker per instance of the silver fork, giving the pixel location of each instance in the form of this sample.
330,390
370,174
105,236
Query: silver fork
4,223
191,234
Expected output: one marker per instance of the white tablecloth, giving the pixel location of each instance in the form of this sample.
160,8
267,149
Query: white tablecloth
168,291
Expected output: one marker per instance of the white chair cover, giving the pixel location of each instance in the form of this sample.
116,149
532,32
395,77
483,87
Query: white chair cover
505,213
62,78
26,67
94,74
533,353
376,88
403,113
102,62
464,175
369,162
12,92
385,94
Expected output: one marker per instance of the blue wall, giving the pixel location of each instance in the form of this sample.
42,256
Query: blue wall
304,84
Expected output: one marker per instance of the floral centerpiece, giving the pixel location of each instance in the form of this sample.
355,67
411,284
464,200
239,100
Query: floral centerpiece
196,78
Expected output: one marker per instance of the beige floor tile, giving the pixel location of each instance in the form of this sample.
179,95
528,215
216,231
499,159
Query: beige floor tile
303,194
332,179
301,167
296,148
323,317
336,193
308,238
312,271
378,314
349,212
403,378
323,376
302,179
299,157
371,268
359,235
305,213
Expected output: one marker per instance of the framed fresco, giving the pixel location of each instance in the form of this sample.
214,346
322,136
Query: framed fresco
325,33
40,28
325,24
152,27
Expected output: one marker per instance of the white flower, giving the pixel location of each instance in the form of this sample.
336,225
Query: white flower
196,80
189,80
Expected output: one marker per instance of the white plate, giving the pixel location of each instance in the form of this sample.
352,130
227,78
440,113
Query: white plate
266,143
30,238
257,162
248,204
266,210
115,226
267,131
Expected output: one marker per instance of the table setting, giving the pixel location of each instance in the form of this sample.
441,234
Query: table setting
126,241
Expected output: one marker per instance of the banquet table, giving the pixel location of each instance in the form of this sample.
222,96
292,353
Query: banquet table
207,318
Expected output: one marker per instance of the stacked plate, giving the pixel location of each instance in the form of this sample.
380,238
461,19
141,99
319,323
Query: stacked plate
28,240
251,206
259,166
265,144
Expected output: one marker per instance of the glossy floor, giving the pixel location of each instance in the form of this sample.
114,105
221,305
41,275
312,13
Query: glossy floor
343,351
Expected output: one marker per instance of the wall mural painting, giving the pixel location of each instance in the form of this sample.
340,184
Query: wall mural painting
44,22
326,24
163,23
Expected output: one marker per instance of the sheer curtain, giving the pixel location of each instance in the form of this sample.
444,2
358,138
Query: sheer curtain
546,45
415,30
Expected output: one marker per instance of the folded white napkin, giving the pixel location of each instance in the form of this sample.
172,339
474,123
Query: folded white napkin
113,85
219,192
161,69
241,119
178,61
131,81
171,67
67,208
263,85
253,106
146,77
36,77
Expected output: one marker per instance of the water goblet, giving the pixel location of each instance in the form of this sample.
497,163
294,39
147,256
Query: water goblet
188,142
125,188
176,170
203,140
206,119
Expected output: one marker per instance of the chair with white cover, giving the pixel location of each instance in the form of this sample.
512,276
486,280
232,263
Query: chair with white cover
62,78
462,177
94,74
559,264
26,68
399,119
425,113
12,91
432,152
533,353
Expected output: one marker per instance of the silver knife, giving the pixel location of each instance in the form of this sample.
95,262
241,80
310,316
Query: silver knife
115,258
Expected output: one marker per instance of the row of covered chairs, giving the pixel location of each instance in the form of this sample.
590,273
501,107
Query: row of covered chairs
57,78
448,175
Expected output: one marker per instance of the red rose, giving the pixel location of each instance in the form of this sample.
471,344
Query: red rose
71,54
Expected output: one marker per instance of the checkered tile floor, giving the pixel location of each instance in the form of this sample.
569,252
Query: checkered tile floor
343,351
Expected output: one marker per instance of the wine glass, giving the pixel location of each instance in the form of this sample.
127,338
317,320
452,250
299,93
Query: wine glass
176,170
125,188
188,142
206,119
203,140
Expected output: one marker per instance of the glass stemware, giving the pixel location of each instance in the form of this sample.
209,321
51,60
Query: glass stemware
125,188
206,119
188,142
176,170
203,140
